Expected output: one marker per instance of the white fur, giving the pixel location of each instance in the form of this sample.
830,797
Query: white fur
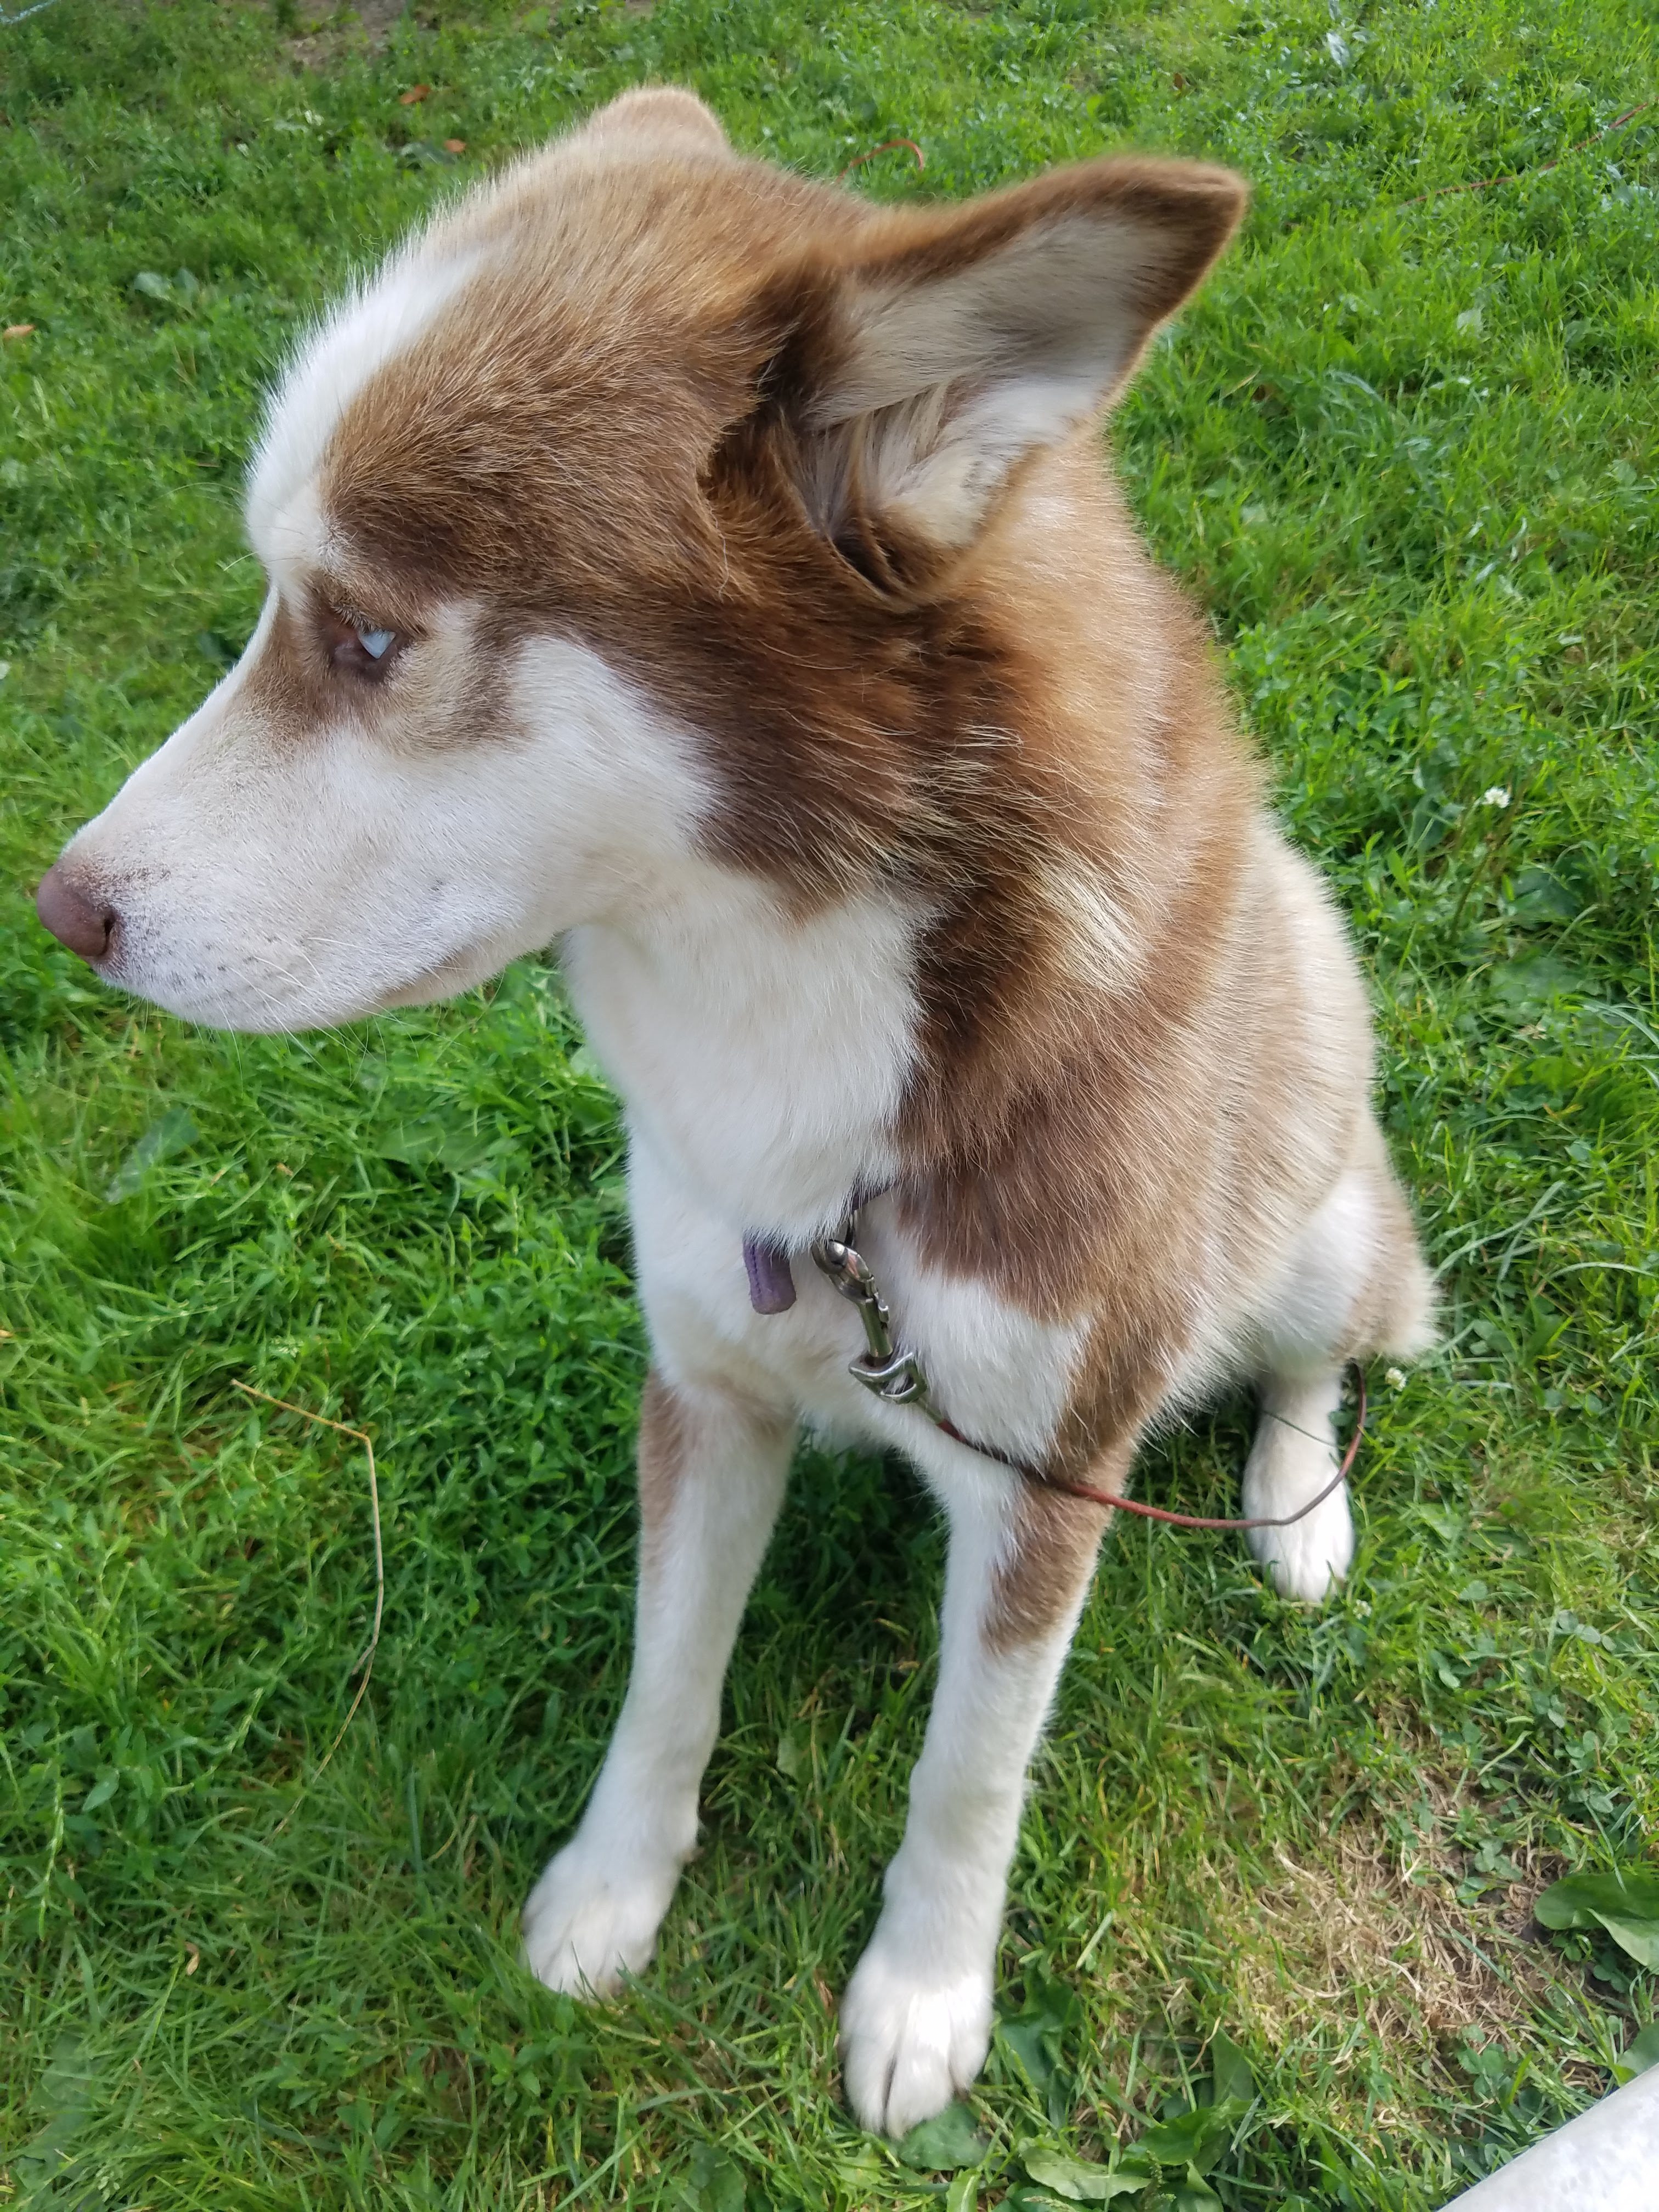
269,881
1295,1455
266,884
706,975
915,2022
998,1367
916,2017
1292,1459
964,375
594,1914
1329,1260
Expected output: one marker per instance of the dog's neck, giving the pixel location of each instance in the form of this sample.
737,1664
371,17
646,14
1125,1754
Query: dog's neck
762,1058
778,1065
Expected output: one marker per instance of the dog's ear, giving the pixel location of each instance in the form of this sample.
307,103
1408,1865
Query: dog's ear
924,370
663,116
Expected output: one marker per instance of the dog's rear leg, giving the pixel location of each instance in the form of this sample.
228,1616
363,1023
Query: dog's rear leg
1292,1459
1355,1285
712,1472
916,2018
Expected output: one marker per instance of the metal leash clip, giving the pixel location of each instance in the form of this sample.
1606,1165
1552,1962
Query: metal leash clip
898,1379
895,1377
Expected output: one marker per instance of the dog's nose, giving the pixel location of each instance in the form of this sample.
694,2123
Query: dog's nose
73,914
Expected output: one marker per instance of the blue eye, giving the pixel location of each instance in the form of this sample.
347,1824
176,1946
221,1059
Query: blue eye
374,641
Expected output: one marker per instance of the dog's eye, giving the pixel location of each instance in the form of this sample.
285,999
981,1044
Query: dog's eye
362,646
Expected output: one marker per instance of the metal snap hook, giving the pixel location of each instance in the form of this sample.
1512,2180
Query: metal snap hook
848,1270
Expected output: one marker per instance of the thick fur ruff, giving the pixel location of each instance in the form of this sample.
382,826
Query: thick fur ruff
717,574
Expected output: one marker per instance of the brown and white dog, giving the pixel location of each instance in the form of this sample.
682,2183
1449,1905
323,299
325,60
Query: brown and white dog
716,574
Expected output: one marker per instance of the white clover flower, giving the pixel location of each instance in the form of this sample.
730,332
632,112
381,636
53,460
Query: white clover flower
1498,795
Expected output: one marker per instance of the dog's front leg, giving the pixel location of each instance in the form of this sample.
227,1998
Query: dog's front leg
916,2018
712,1472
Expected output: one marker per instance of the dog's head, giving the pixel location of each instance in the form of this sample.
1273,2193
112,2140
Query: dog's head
624,523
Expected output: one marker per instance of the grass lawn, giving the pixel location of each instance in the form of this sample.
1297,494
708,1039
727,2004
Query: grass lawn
1404,451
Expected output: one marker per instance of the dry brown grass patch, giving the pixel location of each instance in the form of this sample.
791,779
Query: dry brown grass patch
1368,1931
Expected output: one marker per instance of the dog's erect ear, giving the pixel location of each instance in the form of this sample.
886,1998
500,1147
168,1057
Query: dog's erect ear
950,346
659,115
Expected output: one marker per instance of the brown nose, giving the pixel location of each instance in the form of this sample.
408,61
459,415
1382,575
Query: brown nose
74,915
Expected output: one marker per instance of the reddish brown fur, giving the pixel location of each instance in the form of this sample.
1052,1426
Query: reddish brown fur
1051,1542
617,438
662,1450
675,1432
819,483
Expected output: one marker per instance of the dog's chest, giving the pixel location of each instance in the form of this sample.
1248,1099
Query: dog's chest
1003,1375
761,1066
763,1061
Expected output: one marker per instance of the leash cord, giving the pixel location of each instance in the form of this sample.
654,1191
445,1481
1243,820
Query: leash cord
1090,1497
897,1378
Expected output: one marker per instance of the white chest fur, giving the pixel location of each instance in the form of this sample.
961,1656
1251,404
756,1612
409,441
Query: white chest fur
762,1063
764,1059
1003,1376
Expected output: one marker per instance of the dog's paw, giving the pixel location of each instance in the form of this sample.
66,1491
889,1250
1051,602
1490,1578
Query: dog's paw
910,2045
589,1921
1307,1559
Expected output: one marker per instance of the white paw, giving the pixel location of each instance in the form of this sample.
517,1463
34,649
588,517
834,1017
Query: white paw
592,1918
909,2045
1307,1559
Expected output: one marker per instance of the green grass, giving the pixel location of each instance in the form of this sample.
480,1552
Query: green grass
1406,455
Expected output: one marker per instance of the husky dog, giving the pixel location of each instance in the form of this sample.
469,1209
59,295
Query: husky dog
716,574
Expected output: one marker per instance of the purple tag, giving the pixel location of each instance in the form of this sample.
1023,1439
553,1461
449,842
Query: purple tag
771,1285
